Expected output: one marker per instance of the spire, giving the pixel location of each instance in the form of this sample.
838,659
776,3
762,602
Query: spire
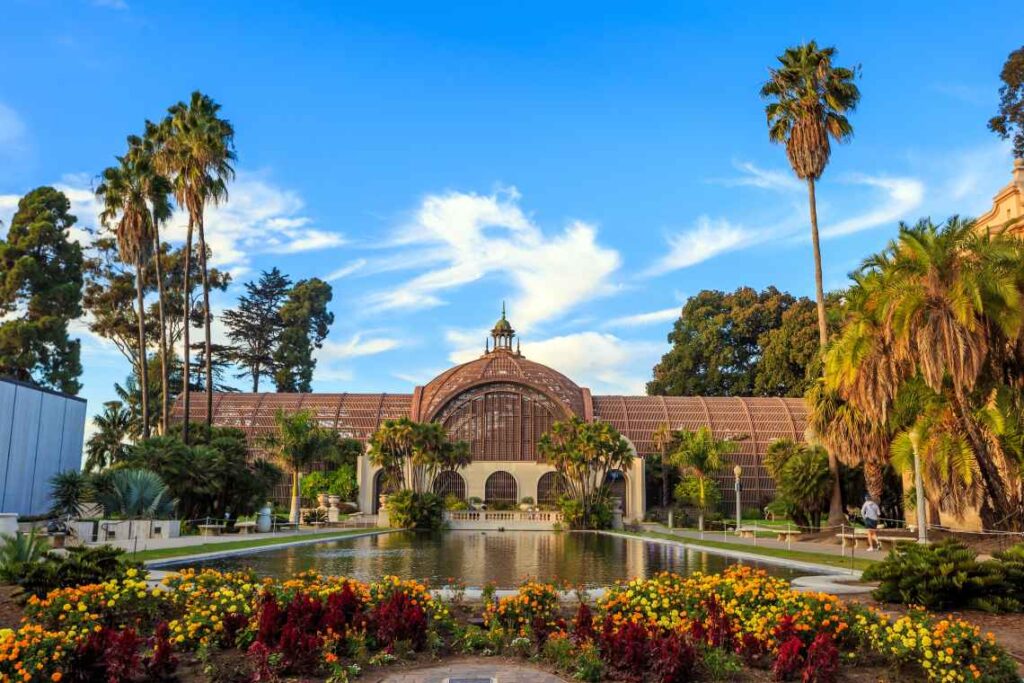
502,332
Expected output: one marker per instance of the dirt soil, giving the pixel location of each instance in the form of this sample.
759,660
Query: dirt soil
10,608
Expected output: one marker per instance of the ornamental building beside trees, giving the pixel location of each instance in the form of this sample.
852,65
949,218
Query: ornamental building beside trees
501,404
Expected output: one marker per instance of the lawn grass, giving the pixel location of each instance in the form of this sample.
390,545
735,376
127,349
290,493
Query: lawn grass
167,553
860,563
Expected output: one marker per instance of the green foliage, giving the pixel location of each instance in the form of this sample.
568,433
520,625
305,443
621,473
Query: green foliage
1009,122
210,477
589,665
17,553
40,293
412,454
69,491
305,322
453,502
701,493
79,566
699,456
106,446
584,453
254,326
942,576
136,494
744,343
339,482
802,481
599,516
410,510
721,665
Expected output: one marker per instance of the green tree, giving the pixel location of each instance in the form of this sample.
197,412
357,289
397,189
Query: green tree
144,151
197,151
412,454
254,325
583,453
136,494
665,440
809,99
717,344
125,193
40,293
107,446
942,344
299,442
802,480
790,358
306,321
699,456
1009,122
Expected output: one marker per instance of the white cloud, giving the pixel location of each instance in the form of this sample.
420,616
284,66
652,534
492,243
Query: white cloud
347,270
709,238
12,129
903,195
753,175
333,358
460,238
639,319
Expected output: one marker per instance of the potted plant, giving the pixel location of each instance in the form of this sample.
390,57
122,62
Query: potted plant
476,503
526,504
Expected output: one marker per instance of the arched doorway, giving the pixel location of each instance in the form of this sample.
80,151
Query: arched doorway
616,483
450,484
550,487
381,487
501,488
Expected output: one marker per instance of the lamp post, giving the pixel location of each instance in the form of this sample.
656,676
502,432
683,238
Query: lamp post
738,471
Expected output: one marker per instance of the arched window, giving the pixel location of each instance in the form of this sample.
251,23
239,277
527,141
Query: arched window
500,421
501,488
616,483
549,487
450,484
381,487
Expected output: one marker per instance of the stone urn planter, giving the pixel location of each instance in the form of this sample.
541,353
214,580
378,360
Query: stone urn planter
333,501
322,499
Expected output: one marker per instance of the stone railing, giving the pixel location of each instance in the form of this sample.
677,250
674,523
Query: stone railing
503,519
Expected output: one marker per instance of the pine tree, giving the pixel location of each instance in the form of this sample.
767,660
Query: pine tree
306,323
40,293
255,326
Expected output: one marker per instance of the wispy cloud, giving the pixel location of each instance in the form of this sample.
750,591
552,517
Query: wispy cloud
346,270
461,238
642,319
334,358
752,175
707,239
903,195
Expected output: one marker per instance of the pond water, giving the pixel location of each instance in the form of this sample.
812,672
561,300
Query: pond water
478,557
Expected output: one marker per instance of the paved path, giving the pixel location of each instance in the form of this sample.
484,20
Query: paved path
823,547
478,669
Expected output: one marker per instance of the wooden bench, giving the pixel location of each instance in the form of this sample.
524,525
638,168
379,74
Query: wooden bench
890,542
855,539
787,534
246,527
210,529
747,532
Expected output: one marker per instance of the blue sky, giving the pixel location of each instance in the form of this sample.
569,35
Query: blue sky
592,163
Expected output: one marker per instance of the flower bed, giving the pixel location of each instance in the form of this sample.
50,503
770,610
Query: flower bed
666,629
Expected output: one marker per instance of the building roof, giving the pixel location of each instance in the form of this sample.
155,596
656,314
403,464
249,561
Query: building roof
1007,212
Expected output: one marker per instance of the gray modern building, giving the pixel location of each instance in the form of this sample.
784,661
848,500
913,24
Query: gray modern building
41,434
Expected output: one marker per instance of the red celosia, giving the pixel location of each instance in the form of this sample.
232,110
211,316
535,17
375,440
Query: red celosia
583,624
270,620
673,658
161,663
398,619
344,611
788,660
718,625
822,660
259,660
625,648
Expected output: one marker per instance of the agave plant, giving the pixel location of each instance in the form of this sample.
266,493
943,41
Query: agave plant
136,494
68,490
17,552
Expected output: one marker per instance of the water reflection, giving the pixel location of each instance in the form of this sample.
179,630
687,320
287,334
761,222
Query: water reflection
476,558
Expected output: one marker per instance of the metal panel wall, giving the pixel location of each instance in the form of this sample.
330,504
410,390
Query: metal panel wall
41,434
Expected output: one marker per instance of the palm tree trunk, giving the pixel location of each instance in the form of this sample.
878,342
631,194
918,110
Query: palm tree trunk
186,304
206,326
165,400
874,479
293,513
143,372
835,503
664,483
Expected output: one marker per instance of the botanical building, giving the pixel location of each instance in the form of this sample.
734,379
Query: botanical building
502,402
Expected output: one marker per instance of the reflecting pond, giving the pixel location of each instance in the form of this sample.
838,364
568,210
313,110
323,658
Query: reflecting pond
479,557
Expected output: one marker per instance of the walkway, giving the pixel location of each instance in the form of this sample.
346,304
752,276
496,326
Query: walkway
476,670
823,547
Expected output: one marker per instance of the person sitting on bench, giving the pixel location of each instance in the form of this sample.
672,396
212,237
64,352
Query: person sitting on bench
871,512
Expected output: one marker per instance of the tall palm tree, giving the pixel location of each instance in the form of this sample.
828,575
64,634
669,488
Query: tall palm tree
664,438
106,446
197,155
809,98
299,442
700,455
124,192
158,188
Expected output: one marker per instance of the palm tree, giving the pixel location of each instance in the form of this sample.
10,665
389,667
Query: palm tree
197,155
808,102
124,192
157,187
664,438
299,442
700,455
106,446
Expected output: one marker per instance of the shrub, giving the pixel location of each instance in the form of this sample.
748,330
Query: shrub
534,606
940,576
136,494
453,502
589,666
313,517
573,513
77,567
720,665
410,510
18,553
